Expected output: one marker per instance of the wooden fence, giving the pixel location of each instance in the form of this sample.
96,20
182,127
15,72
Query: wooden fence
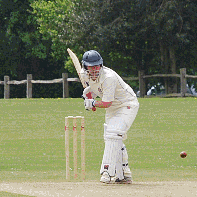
64,80
29,81
183,82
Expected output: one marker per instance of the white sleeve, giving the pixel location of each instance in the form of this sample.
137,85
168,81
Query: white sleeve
109,86
84,77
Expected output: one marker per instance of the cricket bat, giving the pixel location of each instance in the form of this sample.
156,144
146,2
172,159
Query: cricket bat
78,67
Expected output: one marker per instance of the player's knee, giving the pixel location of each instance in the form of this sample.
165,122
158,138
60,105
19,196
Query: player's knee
117,129
114,134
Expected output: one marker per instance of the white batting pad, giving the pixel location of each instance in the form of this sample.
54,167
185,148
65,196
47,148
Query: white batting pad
125,166
124,157
112,158
119,167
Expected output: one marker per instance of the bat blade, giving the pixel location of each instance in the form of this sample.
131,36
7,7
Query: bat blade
78,67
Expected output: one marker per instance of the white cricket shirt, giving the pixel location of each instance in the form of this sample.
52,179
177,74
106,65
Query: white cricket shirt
111,87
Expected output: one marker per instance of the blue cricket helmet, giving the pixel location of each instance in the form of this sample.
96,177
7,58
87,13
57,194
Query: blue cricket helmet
92,58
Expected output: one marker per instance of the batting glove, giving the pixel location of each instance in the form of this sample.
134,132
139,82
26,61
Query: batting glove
89,103
86,94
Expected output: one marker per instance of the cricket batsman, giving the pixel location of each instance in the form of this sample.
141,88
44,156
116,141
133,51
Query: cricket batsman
121,105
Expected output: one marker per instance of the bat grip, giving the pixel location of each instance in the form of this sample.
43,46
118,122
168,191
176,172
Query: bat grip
89,96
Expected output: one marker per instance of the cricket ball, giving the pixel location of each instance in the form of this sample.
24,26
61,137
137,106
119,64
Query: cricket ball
183,154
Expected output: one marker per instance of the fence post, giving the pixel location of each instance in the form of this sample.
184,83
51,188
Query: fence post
6,87
183,82
29,86
65,85
141,83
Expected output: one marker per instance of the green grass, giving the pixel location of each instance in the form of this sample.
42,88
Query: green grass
32,145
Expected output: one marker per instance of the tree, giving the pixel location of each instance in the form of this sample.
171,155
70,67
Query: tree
24,49
53,18
130,35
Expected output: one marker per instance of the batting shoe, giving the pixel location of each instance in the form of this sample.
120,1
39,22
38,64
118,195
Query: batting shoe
123,181
116,180
126,180
128,175
105,178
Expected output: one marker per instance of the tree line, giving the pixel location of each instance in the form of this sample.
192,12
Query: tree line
157,36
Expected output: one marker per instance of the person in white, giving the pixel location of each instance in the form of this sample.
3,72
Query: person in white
121,105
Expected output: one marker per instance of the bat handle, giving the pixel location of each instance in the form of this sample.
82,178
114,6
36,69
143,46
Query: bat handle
89,96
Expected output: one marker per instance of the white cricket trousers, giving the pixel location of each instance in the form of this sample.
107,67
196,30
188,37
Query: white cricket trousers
122,118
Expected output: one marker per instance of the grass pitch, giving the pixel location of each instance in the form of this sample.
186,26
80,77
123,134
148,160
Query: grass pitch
32,143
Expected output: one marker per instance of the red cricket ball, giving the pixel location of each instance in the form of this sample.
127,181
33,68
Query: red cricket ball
183,154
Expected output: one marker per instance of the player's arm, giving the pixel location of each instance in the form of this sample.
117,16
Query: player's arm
90,103
109,86
102,104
